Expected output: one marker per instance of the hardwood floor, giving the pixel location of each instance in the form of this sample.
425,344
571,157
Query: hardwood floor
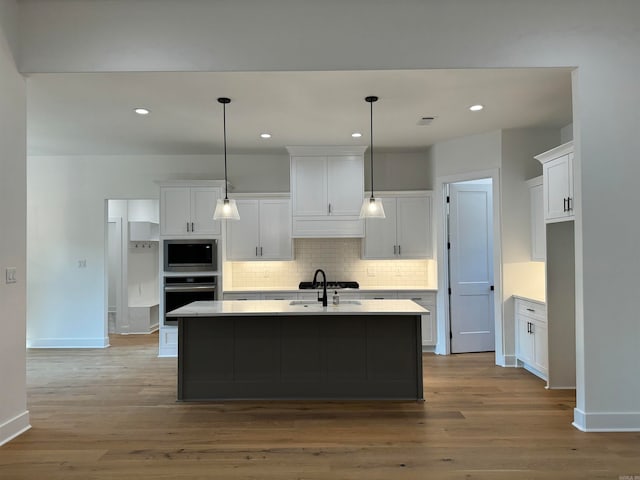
104,414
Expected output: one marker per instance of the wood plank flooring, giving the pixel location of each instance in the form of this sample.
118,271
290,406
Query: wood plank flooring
105,414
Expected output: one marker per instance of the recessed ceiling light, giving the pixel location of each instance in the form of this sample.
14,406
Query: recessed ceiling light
476,108
142,111
356,134
265,135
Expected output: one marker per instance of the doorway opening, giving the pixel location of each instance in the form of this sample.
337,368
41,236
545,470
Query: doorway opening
133,287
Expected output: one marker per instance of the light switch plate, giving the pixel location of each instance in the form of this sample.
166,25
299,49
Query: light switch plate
11,275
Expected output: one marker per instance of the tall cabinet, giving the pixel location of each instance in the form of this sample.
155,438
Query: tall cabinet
186,212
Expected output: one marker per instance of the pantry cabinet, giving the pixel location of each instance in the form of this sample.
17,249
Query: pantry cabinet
327,189
532,350
558,193
405,232
188,210
263,231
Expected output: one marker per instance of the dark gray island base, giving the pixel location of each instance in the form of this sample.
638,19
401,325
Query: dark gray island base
299,357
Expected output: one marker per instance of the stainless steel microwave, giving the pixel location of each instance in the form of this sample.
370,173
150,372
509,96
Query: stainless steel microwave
190,255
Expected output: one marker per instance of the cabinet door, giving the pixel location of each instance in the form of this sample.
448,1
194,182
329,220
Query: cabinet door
175,210
541,347
428,301
345,183
538,228
275,230
414,227
309,186
524,339
203,204
380,233
557,180
243,235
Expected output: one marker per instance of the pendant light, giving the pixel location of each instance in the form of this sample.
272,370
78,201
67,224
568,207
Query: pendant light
225,209
372,207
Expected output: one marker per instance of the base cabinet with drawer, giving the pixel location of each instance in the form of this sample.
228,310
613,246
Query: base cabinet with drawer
532,351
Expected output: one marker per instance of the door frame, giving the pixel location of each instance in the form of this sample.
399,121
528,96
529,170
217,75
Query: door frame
443,346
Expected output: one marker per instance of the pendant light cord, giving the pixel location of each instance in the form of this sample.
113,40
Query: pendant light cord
371,147
224,130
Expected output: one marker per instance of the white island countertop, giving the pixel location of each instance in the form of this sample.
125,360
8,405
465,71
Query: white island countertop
294,308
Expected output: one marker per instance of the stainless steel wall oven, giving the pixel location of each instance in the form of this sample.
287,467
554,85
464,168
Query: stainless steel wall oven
180,291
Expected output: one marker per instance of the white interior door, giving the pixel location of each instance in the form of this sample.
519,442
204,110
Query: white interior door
471,267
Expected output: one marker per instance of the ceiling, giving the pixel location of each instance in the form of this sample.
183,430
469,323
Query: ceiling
75,114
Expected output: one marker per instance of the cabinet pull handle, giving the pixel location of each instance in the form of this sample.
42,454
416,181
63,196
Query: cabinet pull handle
395,249
256,251
531,328
564,204
569,207
399,250
260,251
192,229
187,226
416,299
329,209
530,310
528,327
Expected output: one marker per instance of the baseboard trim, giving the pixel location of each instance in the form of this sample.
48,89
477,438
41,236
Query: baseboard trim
100,342
606,421
14,427
509,361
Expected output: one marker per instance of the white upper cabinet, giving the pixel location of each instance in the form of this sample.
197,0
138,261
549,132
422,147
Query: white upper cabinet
263,231
406,230
188,210
538,228
327,189
557,173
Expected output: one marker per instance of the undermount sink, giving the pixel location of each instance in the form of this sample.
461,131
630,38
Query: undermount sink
311,303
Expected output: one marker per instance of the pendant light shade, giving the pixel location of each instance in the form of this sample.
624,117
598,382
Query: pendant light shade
372,207
225,209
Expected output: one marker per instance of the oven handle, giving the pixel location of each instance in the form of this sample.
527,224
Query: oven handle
191,288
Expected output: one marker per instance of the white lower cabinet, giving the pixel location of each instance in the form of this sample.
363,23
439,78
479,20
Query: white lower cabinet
532,340
427,300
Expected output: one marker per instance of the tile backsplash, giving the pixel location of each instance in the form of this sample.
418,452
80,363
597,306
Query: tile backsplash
340,259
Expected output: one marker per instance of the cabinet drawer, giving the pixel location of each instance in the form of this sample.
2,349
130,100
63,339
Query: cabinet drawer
378,295
242,296
531,309
422,298
280,296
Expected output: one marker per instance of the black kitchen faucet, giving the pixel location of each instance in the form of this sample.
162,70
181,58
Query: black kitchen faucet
322,299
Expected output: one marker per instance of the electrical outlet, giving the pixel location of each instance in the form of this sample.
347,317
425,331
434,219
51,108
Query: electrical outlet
82,263
10,275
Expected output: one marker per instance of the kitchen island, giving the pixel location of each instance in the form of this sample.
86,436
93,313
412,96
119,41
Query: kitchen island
277,349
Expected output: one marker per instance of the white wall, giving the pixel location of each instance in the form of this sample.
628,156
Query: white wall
600,38
465,154
14,417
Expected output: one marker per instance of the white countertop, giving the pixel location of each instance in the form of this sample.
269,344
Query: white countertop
283,307
531,299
